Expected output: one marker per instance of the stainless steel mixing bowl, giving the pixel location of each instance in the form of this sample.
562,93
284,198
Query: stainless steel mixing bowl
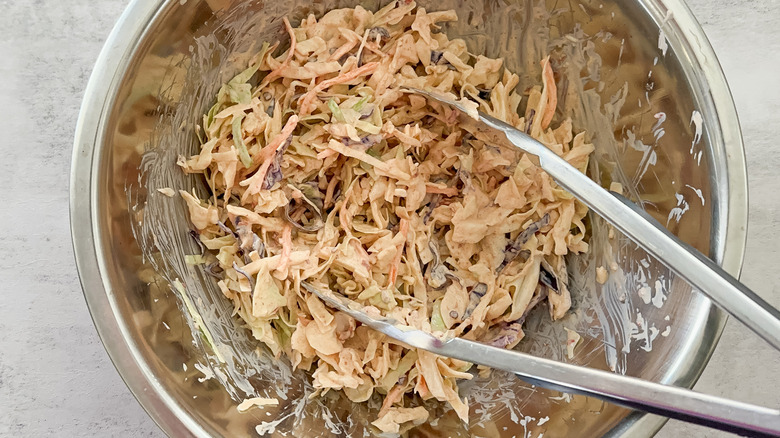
638,75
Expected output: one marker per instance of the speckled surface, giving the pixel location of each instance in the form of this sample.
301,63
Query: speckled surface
55,377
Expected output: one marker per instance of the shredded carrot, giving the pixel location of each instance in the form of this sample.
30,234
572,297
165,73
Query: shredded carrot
286,242
270,149
266,155
403,229
305,104
552,93
343,50
422,388
278,71
393,396
326,153
447,191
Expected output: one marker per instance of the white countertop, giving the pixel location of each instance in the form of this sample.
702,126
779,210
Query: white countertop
55,376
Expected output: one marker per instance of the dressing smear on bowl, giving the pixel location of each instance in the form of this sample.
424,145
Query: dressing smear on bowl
321,168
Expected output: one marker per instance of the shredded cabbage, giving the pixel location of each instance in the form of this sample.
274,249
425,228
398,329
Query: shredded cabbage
324,170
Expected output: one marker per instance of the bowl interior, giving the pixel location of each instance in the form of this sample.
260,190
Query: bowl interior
625,76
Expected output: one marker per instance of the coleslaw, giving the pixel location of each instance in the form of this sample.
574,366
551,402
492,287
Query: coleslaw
321,168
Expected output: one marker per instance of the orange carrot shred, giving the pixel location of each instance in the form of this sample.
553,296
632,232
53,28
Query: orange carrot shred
278,71
447,191
393,396
267,153
306,105
326,153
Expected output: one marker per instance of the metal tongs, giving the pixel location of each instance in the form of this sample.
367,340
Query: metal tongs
699,271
